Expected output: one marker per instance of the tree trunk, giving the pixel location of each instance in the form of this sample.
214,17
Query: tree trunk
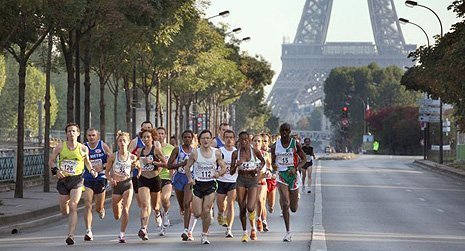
177,120
147,104
187,117
168,111
77,86
47,114
68,56
115,114
87,58
20,148
102,97
157,105
127,93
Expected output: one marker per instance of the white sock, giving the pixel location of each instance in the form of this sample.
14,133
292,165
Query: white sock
192,223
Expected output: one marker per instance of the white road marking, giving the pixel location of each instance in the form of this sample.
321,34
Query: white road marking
439,210
318,236
421,199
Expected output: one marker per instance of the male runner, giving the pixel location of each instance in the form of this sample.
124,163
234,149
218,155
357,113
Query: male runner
165,176
307,168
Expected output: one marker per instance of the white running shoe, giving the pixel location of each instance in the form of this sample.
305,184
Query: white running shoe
229,233
101,214
158,220
166,220
162,231
287,237
185,235
89,236
204,239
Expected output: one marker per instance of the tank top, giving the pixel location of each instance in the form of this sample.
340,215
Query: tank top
219,143
122,167
71,161
165,173
204,168
227,156
286,157
144,157
182,156
250,165
98,157
308,150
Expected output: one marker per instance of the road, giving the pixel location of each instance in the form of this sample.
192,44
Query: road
369,203
384,203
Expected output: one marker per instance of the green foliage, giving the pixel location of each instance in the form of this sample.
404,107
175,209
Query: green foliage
440,67
316,118
353,87
35,91
2,72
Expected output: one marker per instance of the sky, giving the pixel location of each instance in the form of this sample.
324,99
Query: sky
268,22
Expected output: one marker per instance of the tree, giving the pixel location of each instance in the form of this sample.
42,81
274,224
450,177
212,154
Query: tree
25,25
440,67
2,72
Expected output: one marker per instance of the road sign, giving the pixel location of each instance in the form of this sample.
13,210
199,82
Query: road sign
429,118
429,110
429,102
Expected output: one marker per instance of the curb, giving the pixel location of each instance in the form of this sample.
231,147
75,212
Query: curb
38,218
439,168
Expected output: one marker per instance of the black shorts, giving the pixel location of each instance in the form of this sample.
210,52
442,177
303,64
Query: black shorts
165,182
98,186
307,164
247,181
225,187
135,184
204,188
122,186
154,184
65,185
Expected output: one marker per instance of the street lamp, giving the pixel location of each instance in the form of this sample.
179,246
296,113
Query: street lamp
245,39
441,154
406,21
236,30
223,14
426,129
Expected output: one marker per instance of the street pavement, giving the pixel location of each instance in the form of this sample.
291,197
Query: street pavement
368,203
386,203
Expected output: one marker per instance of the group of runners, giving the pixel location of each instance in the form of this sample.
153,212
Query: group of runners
248,170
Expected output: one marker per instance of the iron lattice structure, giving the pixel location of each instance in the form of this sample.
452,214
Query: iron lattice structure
308,60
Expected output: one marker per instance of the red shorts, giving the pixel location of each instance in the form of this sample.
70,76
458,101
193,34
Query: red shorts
271,184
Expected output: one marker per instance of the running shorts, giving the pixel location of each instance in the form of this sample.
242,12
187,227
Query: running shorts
204,188
247,181
165,182
154,184
122,186
290,180
98,186
179,181
225,187
66,184
308,164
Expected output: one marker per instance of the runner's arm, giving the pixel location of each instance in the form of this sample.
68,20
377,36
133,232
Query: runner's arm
220,162
233,163
173,156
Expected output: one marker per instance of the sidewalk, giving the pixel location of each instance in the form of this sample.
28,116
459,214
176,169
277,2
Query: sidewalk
19,213
436,167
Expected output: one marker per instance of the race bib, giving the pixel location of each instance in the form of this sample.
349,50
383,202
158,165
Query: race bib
122,169
285,159
181,168
248,166
309,158
97,164
146,166
69,166
204,172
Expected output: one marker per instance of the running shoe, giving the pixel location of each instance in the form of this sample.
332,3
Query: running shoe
265,226
158,220
229,233
253,234
287,237
88,236
220,219
245,237
204,239
101,214
259,225
143,234
270,209
185,235
122,239
190,237
162,231
70,240
166,220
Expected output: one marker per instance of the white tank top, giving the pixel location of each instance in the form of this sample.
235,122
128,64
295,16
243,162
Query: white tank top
122,167
204,168
249,165
227,177
285,157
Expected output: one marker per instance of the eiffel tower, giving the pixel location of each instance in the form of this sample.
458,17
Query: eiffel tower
308,60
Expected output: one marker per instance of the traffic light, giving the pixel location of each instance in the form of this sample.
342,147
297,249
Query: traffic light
345,117
345,112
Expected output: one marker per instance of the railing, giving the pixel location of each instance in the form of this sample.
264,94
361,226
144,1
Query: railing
33,163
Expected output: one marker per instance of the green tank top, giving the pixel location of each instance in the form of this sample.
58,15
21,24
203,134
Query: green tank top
165,173
71,161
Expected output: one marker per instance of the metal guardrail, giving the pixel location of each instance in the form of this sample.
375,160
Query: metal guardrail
33,163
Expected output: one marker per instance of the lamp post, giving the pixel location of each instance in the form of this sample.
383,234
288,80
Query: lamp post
223,14
236,30
426,129
441,154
